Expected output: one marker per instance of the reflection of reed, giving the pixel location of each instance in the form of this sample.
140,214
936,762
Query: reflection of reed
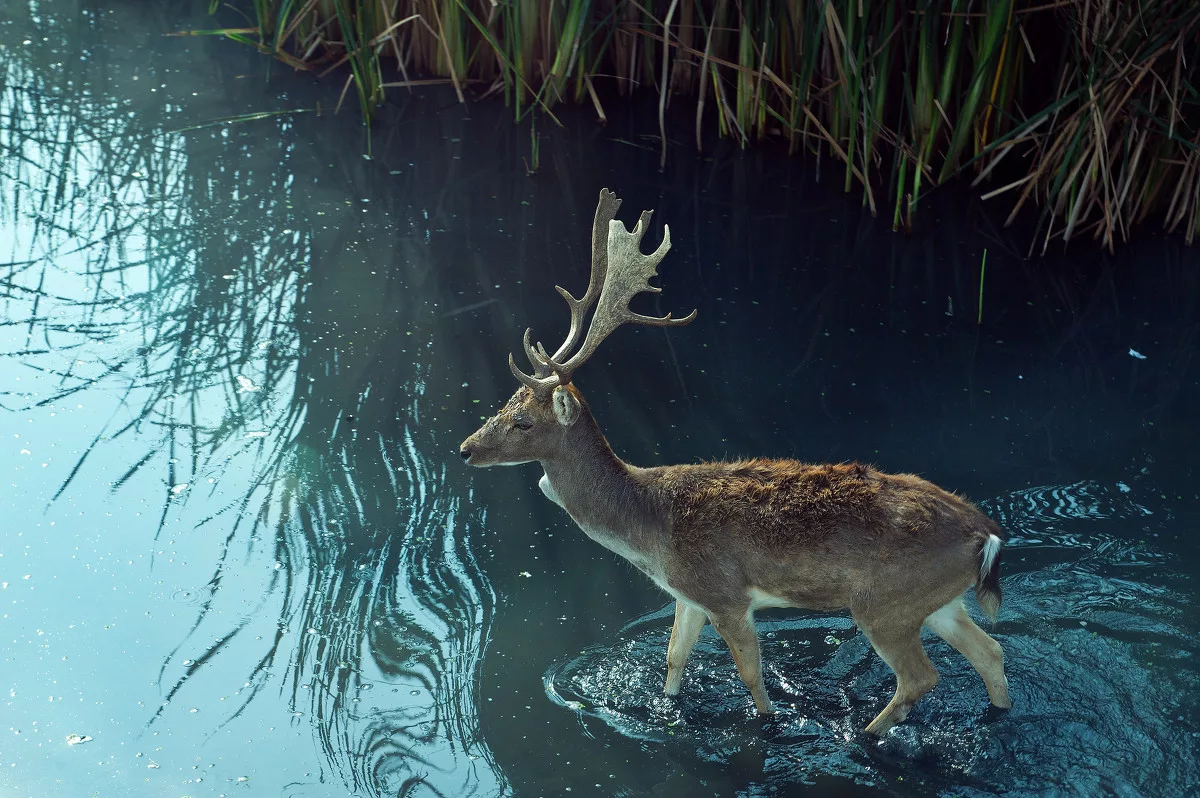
387,593
132,278
104,231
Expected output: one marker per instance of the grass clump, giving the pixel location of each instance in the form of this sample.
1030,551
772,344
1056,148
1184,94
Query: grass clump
1087,110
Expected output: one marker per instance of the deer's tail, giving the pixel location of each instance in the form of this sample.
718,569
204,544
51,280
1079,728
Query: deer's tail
987,589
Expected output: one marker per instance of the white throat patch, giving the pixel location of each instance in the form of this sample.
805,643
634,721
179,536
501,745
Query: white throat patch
548,489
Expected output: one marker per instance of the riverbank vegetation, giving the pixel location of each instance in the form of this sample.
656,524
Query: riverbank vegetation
1085,113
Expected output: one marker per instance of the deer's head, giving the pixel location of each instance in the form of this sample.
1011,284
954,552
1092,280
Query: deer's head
537,421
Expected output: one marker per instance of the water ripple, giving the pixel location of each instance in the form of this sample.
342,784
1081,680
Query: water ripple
1101,702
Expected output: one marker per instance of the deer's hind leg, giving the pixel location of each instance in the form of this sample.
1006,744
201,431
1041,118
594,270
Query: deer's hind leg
900,647
689,621
737,630
952,624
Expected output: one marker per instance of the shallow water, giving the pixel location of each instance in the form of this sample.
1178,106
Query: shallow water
239,553
1097,706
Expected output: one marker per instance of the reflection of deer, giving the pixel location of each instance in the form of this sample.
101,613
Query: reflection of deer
726,539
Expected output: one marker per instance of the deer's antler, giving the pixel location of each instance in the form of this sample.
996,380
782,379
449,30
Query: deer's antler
606,212
619,272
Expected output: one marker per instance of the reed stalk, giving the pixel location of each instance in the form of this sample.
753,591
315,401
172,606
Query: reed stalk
1086,111
982,273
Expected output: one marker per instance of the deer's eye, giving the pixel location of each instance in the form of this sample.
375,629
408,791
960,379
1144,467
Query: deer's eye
522,423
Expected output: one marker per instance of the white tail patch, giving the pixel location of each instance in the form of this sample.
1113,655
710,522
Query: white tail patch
991,550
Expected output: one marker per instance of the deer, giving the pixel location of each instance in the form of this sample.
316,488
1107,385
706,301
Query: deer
725,539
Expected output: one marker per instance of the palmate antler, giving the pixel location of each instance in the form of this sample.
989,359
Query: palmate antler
619,272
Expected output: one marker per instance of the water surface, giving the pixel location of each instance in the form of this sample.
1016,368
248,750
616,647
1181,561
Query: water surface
238,551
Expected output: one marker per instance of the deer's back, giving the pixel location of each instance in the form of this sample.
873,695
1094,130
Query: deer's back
782,505
816,536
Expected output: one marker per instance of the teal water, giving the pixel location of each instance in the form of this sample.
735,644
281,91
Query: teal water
239,554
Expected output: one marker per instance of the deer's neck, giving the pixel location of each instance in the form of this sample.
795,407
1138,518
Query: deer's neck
603,494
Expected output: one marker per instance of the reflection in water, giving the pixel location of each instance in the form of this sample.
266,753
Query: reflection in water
380,590
1090,651
133,281
257,349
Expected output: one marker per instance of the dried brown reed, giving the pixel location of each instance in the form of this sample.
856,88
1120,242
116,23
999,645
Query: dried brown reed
1087,110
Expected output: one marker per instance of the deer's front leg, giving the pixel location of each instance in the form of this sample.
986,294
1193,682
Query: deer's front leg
737,629
689,620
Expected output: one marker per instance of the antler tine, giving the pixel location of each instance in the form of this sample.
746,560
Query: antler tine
540,386
629,273
639,230
662,321
537,359
606,211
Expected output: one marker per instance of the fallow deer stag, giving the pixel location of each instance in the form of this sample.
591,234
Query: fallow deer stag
726,539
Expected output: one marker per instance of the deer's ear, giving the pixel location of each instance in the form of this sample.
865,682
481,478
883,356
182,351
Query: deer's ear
566,406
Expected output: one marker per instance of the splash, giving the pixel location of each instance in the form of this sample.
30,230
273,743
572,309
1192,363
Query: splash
1101,704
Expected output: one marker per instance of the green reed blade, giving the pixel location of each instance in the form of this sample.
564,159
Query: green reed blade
982,271
995,27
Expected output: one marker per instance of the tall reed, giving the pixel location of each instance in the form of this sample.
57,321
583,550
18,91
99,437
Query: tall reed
1087,110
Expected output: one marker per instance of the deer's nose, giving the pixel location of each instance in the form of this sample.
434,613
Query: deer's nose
464,452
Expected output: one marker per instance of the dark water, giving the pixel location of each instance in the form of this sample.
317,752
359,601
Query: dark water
238,551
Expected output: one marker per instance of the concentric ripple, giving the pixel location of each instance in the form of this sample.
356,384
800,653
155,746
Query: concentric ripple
1093,654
